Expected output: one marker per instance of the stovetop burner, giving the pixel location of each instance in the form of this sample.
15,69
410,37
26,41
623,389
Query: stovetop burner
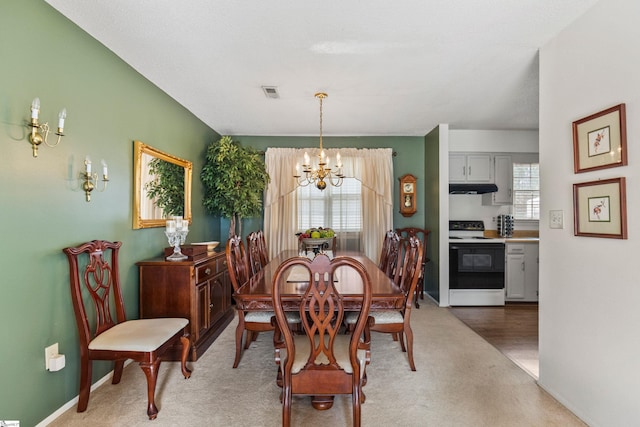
467,229
464,225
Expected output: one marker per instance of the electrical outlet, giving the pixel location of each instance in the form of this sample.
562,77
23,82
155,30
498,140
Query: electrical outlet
50,352
556,219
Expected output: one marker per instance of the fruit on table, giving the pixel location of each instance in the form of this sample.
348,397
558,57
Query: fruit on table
317,233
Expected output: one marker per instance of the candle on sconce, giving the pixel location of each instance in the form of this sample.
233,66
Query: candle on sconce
104,168
87,163
61,117
35,108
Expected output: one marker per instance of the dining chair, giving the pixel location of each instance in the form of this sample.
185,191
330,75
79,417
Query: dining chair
253,322
95,285
254,254
398,322
384,252
320,361
390,266
423,235
264,252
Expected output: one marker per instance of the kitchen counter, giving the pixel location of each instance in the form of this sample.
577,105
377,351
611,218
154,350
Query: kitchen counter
522,240
518,236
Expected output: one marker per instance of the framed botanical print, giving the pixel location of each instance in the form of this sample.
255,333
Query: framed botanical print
408,195
600,208
600,140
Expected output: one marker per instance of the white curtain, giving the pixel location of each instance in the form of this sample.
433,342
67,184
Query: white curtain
373,167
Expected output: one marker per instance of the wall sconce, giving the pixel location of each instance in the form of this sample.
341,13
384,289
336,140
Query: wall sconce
90,179
40,132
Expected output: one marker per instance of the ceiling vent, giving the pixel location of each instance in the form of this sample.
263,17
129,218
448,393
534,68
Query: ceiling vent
270,92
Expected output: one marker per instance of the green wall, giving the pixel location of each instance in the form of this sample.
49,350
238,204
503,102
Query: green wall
432,210
109,105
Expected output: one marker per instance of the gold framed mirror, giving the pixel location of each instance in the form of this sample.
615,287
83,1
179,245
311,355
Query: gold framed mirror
162,186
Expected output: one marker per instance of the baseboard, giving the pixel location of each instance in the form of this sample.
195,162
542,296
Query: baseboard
70,404
476,297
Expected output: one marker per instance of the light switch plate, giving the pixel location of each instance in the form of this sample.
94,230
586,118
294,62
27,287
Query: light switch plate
556,219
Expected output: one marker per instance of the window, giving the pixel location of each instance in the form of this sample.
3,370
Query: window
526,191
339,208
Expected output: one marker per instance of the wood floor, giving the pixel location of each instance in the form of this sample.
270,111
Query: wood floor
512,329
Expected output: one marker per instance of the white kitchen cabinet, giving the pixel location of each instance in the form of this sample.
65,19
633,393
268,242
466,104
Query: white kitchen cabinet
521,272
503,178
470,167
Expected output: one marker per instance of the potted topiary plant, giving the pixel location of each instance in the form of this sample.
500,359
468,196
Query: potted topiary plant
234,180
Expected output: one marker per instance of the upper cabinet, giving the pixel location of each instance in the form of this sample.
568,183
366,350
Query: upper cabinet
467,167
503,178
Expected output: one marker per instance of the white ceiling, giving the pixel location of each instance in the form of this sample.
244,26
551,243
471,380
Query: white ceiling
389,68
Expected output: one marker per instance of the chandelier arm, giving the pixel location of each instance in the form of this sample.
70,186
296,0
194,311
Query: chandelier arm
337,182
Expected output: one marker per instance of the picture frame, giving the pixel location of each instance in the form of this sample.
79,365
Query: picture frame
600,208
600,140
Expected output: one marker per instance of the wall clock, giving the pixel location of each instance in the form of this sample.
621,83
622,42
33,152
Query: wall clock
407,194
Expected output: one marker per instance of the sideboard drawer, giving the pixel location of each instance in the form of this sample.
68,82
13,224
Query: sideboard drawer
206,271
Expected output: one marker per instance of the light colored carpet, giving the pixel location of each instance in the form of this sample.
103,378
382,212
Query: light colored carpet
461,380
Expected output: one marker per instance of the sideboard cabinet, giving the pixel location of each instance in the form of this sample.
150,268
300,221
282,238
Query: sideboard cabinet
198,290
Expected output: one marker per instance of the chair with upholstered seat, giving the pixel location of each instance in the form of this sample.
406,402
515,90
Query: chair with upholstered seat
423,235
95,286
253,322
397,322
322,362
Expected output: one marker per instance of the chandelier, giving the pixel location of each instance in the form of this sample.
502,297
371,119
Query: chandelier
321,174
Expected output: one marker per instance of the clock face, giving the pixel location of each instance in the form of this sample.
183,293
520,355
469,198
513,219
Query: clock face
408,187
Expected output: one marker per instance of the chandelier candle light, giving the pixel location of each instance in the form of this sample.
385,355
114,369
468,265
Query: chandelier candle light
176,232
317,175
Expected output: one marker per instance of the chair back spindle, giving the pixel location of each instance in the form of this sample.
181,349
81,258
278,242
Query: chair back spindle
254,250
237,262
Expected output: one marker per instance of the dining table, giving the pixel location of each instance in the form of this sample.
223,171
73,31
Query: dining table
255,294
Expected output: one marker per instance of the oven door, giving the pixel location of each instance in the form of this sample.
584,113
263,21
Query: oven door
476,266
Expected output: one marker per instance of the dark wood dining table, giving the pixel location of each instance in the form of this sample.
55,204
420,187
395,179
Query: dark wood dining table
255,295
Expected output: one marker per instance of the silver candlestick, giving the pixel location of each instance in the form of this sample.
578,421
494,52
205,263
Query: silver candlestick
176,232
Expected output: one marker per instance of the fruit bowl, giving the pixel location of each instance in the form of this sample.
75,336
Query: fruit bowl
210,245
309,241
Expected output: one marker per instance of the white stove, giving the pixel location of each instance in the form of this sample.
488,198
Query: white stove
476,265
469,232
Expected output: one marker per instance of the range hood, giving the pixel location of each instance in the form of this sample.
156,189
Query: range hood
472,188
